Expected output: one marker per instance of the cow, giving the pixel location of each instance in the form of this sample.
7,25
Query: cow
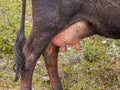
56,24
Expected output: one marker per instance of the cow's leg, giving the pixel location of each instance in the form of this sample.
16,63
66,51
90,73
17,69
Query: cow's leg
31,55
33,48
26,76
50,57
26,79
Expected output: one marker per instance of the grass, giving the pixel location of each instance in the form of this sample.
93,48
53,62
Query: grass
95,67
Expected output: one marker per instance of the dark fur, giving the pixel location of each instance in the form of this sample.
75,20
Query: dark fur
51,16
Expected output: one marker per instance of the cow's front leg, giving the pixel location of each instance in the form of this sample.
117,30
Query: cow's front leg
50,57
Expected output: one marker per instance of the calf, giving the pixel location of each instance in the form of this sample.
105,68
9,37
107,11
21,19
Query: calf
58,23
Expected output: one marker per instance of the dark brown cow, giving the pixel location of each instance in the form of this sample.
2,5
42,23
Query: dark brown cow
57,23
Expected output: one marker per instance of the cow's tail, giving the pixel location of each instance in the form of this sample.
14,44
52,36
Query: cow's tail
19,65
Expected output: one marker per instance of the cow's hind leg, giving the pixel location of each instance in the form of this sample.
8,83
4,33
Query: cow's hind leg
50,57
26,76
31,57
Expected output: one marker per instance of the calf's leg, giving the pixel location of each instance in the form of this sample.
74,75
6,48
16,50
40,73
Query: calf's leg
50,56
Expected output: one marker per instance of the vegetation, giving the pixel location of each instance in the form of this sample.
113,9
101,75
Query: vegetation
95,67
